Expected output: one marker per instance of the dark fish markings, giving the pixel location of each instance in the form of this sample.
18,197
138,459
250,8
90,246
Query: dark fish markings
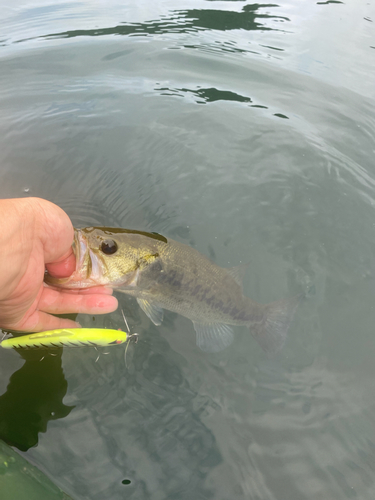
172,278
117,230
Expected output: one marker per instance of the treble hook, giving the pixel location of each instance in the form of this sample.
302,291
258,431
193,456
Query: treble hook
132,336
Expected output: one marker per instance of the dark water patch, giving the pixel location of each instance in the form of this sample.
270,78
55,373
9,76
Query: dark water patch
249,18
272,48
222,20
205,95
280,115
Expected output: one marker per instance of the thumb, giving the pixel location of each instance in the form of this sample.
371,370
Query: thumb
63,268
56,233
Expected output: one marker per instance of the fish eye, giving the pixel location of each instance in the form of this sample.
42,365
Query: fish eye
108,247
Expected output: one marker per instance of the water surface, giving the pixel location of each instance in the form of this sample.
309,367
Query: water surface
247,131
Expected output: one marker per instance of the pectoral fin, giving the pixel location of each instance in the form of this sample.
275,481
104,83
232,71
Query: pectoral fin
155,313
213,337
238,273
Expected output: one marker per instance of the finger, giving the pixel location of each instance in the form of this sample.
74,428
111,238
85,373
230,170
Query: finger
102,290
40,321
61,302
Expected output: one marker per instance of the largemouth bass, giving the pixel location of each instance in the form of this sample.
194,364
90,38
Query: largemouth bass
165,274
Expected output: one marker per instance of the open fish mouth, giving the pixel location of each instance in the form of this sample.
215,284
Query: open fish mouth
89,268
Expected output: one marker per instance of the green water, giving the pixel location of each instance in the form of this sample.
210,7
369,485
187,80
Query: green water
246,131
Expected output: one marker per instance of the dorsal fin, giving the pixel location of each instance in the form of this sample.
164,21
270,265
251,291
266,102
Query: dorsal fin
119,230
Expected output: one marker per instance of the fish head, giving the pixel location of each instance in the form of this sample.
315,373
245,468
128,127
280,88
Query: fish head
111,256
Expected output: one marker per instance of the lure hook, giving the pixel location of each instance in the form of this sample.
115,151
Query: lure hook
133,336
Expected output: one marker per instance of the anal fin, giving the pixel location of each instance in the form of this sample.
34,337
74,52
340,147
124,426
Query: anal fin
155,313
213,337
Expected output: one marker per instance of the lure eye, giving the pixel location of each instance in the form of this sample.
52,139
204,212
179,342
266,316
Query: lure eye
108,247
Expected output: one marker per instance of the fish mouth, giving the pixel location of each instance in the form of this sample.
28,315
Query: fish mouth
89,269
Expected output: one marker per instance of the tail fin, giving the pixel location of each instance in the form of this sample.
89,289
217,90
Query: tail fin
271,332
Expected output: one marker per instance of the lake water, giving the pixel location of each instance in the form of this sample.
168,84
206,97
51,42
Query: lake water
246,131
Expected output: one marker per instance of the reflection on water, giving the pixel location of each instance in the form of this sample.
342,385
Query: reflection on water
275,170
33,397
188,21
206,95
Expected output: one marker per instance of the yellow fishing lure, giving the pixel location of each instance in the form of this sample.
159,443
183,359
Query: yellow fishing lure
66,337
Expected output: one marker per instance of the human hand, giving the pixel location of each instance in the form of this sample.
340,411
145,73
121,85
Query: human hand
35,234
